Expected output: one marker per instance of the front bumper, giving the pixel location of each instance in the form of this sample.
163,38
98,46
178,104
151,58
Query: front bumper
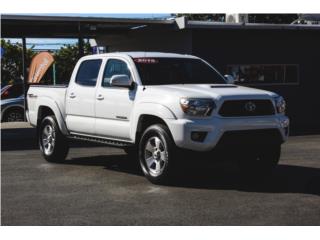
216,127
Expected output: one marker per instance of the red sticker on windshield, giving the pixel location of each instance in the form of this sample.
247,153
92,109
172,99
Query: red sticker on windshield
145,60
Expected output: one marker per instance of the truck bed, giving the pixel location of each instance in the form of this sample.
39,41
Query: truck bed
43,95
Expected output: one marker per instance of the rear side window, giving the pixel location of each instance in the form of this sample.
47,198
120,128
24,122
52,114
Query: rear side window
88,72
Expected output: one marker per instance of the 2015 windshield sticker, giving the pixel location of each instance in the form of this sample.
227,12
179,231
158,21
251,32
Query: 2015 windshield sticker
146,60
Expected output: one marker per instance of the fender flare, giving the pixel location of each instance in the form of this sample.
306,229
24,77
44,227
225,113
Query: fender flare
50,103
149,108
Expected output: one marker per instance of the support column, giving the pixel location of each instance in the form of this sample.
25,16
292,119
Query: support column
25,74
80,41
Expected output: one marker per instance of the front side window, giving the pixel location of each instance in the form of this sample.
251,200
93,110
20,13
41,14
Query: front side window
88,72
163,71
114,67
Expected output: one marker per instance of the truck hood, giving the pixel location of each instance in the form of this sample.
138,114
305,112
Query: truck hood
215,91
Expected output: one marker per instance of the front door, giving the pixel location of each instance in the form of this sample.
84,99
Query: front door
114,104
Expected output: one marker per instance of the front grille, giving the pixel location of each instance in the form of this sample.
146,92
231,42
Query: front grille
239,108
250,137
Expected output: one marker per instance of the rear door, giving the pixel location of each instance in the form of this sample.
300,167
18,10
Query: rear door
80,98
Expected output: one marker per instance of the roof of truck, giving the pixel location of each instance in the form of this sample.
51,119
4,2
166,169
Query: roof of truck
145,54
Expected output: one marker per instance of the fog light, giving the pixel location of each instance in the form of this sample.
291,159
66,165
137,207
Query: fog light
198,136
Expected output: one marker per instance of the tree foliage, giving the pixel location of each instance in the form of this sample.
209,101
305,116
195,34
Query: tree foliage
65,60
12,60
213,17
273,18
253,18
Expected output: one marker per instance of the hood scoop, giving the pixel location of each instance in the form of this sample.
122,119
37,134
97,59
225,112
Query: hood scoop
223,86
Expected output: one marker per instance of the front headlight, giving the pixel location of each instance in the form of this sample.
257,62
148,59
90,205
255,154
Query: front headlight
280,104
199,107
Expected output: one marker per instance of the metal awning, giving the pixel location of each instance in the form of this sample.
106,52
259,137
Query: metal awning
68,27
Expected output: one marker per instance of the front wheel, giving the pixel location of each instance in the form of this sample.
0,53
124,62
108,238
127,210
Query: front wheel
156,154
53,144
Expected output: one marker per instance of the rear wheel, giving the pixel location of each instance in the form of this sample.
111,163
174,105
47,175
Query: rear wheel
156,154
53,144
261,161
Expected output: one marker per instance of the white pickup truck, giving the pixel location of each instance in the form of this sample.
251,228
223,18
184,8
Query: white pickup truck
154,104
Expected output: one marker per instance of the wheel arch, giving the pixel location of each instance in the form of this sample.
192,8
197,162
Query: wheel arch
145,121
46,109
146,114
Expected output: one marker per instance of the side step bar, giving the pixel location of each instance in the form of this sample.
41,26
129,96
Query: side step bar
110,142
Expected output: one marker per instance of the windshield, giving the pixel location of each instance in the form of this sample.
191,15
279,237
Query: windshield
163,71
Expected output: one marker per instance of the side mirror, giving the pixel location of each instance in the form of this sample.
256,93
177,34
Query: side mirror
229,78
121,80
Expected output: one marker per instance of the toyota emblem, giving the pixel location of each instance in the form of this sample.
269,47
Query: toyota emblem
250,106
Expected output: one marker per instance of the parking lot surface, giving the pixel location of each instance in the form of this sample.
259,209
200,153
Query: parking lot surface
98,185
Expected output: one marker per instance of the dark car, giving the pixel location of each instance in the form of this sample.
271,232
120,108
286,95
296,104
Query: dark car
12,103
11,91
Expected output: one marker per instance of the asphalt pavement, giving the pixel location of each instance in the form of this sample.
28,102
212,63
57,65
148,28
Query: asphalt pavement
98,185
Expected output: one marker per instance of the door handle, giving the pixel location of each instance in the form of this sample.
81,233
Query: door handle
30,95
100,97
72,95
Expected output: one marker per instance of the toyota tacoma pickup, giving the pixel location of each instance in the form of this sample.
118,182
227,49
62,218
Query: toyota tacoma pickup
156,105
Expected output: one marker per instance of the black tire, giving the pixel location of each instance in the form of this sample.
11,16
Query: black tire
59,143
13,115
260,161
166,148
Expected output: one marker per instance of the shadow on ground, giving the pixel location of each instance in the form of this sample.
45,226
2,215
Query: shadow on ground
17,139
285,179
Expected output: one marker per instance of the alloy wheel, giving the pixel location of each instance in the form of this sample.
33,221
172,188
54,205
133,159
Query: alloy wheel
48,139
155,155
